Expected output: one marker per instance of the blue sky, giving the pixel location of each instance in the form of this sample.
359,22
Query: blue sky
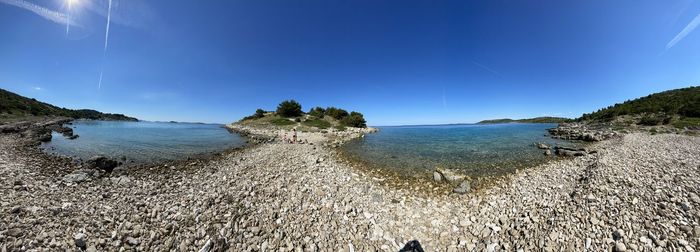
398,62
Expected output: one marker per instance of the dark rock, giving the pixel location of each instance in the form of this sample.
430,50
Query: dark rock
80,241
73,137
104,163
617,235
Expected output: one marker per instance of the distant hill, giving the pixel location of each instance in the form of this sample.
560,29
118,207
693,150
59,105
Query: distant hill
544,119
684,102
14,105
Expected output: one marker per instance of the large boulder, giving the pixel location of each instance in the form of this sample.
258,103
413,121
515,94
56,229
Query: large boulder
569,152
103,163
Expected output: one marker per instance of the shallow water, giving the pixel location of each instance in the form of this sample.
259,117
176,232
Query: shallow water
143,142
478,150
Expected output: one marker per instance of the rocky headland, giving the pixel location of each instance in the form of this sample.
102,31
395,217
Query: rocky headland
635,192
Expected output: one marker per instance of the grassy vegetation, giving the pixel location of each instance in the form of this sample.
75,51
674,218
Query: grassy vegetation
281,122
13,105
318,123
545,119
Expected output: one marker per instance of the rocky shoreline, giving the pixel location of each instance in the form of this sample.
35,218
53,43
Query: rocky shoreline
638,192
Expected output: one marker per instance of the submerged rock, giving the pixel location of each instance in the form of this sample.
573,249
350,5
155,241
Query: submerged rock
450,175
542,146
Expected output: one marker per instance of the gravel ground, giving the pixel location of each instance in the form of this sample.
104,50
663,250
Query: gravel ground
639,192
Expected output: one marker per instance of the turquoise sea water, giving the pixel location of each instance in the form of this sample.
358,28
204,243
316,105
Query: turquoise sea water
143,142
479,150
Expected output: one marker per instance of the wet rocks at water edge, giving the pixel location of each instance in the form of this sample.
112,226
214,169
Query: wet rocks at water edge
542,146
103,163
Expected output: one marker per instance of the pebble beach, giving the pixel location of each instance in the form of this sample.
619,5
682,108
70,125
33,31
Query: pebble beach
635,192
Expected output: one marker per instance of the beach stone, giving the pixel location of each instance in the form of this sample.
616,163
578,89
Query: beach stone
132,241
437,176
542,146
75,177
620,247
450,175
80,240
14,232
463,187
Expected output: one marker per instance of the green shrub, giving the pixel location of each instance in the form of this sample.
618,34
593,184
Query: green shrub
691,109
649,120
317,112
297,119
281,122
684,102
355,119
318,123
289,108
336,113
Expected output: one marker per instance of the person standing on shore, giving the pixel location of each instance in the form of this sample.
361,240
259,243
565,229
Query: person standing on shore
294,135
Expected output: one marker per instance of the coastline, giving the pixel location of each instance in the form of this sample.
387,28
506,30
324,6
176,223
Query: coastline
273,196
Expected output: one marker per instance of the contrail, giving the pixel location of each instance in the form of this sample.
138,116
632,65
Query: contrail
104,53
109,16
70,2
687,30
46,13
99,83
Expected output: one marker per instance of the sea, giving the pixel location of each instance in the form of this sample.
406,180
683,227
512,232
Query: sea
478,150
143,142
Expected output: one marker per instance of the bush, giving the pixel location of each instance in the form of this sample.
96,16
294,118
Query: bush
317,112
651,120
336,113
281,122
289,108
297,119
691,110
318,123
355,119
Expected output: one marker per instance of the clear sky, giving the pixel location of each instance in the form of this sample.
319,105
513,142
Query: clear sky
398,62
